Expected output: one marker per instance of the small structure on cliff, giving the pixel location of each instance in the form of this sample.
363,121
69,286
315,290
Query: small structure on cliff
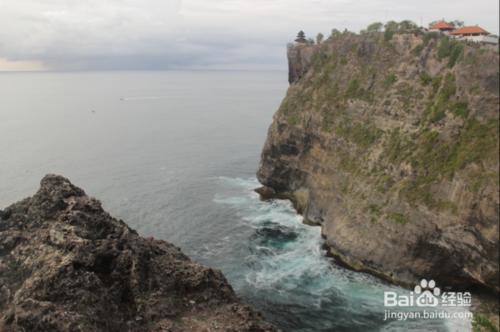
475,34
442,26
301,37
469,33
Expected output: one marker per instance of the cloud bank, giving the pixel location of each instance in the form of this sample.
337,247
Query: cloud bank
166,34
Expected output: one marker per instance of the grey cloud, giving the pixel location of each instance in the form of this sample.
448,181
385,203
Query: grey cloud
162,34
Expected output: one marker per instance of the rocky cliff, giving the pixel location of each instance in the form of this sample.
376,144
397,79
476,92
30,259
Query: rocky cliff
390,143
67,265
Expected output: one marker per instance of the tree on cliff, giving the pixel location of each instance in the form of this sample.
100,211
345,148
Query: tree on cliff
301,37
407,25
335,33
375,27
319,38
390,29
391,26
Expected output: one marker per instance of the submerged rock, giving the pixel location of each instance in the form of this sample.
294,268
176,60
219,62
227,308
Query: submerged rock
67,265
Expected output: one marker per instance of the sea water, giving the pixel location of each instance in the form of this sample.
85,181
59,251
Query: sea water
174,154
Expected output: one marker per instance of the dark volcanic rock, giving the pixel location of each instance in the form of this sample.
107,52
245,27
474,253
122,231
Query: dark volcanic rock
67,265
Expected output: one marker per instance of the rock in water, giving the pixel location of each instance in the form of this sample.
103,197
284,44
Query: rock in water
67,265
390,143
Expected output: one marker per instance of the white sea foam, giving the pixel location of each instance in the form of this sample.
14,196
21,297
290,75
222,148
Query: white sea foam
290,263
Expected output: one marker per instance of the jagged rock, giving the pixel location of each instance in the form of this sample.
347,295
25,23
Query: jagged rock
392,147
67,265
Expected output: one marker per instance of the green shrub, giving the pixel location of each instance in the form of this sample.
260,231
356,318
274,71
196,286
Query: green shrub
394,146
436,83
375,209
447,206
398,218
293,120
391,26
284,106
436,111
425,78
450,48
388,35
444,48
352,89
437,116
375,27
460,109
319,59
449,88
361,135
479,141
335,33
417,50
355,91
455,54
327,123
430,36
390,79
433,157
319,38
406,26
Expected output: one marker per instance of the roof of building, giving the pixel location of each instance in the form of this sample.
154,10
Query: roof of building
470,30
442,25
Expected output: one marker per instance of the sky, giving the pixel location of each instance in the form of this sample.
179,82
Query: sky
195,34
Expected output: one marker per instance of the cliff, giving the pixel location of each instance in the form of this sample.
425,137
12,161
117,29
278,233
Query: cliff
67,265
390,144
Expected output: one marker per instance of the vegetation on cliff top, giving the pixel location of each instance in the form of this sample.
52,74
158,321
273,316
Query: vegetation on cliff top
355,79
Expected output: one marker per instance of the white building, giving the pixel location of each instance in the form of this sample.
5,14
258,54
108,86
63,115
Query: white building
475,34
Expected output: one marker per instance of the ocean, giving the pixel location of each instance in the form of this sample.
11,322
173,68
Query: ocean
174,154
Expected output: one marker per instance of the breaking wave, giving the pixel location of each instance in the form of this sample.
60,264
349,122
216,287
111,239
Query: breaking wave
287,275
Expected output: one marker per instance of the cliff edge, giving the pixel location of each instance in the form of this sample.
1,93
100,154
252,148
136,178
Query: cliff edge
67,265
390,144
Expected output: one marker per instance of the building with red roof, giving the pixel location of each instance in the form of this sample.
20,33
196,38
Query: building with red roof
470,31
442,26
475,34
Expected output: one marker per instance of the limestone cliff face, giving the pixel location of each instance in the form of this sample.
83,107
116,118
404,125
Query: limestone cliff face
67,265
391,145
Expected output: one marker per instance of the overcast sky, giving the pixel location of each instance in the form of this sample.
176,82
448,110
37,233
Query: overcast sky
226,34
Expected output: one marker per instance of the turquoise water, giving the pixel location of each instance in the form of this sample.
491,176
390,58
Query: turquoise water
285,271
174,154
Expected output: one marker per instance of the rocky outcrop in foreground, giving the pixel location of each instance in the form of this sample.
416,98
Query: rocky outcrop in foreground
67,265
390,143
